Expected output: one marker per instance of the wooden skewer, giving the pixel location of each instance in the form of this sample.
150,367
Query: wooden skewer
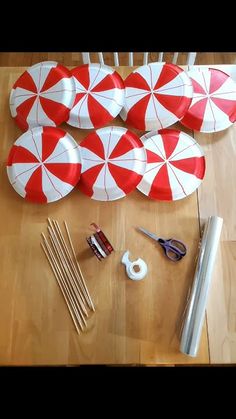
68,274
73,271
78,266
68,271
62,254
70,283
61,288
72,262
65,283
67,279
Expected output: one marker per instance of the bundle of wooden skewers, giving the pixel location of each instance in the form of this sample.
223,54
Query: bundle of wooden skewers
67,272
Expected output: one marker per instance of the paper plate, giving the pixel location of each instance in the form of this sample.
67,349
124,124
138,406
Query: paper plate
43,95
113,163
156,96
44,164
99,96
175,165
213,106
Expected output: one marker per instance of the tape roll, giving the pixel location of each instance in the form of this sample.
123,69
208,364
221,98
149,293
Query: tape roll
95,242
94,249
132,274
99,243
99,240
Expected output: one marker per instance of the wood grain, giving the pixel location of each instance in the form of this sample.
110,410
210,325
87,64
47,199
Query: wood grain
17,59
134,323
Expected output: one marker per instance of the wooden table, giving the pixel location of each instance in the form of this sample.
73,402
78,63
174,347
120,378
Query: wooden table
134,322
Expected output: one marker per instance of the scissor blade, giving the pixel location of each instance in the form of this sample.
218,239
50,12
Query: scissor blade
152,235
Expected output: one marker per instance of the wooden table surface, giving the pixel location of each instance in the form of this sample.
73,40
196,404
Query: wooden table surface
134,322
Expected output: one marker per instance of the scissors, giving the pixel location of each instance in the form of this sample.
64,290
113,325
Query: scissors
174,249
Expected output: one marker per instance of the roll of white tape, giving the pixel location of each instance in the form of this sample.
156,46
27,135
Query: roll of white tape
132,274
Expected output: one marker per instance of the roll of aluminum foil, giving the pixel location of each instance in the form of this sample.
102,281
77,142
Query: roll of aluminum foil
197,301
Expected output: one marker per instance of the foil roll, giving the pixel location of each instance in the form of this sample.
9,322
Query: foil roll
196,305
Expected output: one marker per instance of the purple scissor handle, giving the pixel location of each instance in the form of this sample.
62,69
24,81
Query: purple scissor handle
174,249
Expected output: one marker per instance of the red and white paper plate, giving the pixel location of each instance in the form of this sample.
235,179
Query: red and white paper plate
156,96
175,165
42,96
44,164
213,107
99,96
113,163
